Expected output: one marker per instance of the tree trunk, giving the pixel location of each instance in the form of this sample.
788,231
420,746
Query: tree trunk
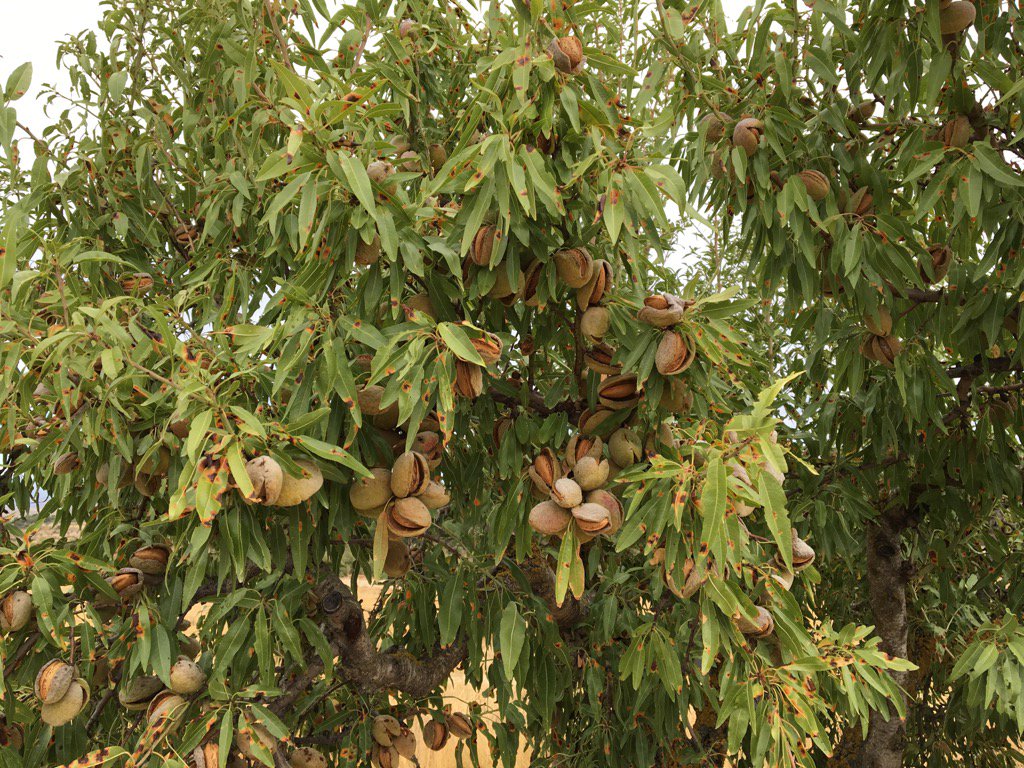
883,747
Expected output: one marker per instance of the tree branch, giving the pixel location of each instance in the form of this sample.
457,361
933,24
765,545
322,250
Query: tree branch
361,665
536,404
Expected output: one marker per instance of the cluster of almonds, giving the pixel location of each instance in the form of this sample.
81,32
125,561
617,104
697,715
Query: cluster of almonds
401,498
391,740
693,578
574,492
208,755
747,134
61,691
15,611
676,352
146,475
146,566
273,487
162,705
877,344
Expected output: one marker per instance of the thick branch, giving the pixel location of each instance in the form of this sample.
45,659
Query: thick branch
887,576
536,404
360,663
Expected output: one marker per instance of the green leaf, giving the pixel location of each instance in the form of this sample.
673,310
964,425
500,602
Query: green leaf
456,339
450,609
775,514
19,81
713,498
359,182
994,166
511,637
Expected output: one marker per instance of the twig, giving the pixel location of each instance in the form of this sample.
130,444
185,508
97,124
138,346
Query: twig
26,645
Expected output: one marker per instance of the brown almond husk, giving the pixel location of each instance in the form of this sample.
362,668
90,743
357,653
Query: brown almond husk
816,184
662,310
747,135
599,359
675,353
549,519
483,245
407,517
619,392
575,266
469,380
597,287
410,474
488,347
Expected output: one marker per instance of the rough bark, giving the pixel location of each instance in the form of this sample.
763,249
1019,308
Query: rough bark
541,579
360,663
887,576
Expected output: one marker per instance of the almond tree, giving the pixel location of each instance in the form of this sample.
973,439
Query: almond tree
865,160
296,298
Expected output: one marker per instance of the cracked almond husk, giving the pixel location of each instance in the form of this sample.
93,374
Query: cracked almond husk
267,479
435,735
816,183
483,245
662,310
597,287
675,353
469,380
15,611
592,518
574,266
625,447
408,517
136,694
543,472
151,559
567,54
619,392
580,446
53,680
760,627
488,347
610,502
460,726
940,258
410,474
599,359
747,135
